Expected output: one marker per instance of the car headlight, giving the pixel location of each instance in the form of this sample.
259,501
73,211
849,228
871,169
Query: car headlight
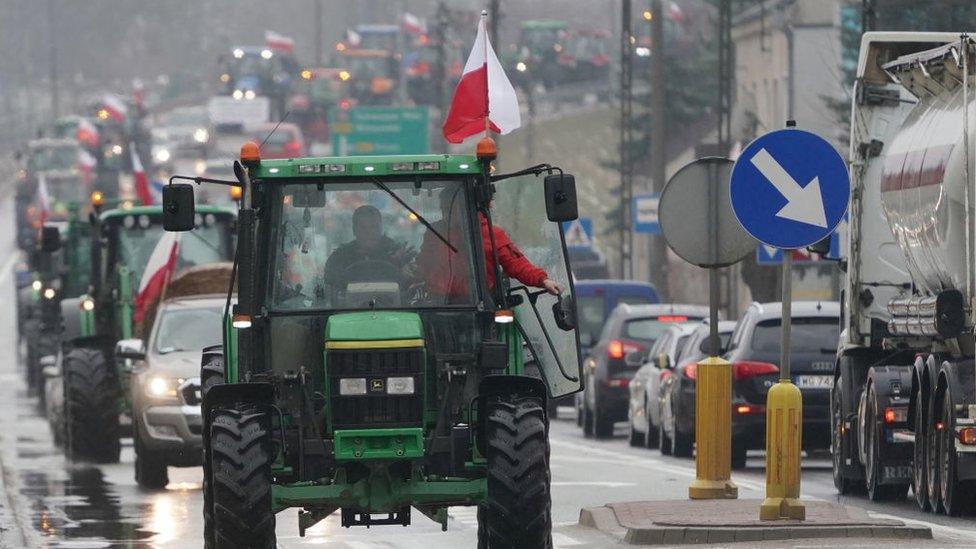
238,94
249,94
201,135
162,155
162,387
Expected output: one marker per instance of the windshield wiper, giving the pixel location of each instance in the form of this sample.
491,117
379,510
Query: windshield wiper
420,218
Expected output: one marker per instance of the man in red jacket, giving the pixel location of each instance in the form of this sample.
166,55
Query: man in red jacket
446,271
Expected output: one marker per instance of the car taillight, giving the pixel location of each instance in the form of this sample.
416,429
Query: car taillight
618,349
618,382
293,147
746,409
691,371
744,370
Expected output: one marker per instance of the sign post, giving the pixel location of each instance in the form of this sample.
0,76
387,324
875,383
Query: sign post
694,207
789,189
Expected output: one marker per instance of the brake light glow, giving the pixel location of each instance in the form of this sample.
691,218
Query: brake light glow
746,409
747,369
672,318
618,382
691,371
895,415
618,349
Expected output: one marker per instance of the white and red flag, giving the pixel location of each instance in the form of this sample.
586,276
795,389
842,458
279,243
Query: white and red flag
158,272
413,24
86,165
279,42
43,200
87,133
353,38
143,191
114,107
484,98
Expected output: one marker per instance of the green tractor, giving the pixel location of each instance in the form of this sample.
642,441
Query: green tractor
393,380
94,367
59,265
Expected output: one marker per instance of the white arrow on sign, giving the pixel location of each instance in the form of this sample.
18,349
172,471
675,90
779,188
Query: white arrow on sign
803,204
770,250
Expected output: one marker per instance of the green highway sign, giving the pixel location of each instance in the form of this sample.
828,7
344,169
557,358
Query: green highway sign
379,130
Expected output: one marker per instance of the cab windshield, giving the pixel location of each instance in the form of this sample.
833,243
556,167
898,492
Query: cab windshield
139,234
189,329
357,246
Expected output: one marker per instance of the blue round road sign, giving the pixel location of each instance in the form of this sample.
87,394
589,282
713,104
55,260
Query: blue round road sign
790,188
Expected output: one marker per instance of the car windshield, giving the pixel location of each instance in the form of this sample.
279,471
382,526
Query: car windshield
188,329
807,335
53,158
357,246
647,330
139,234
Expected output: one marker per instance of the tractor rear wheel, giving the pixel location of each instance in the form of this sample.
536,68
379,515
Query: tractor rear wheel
91,392
150,467
516,512
211,374
240,461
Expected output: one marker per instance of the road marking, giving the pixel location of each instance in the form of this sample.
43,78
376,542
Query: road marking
803,204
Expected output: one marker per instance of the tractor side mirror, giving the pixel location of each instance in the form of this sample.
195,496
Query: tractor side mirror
561,197
50,239
564,312
134,349
634,359
178,208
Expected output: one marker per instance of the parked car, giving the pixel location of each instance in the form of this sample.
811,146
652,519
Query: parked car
284,142
754,351
607,374
676,429
595,300
644,412
167,425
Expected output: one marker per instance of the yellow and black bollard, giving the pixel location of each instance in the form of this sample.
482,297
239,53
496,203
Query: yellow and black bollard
713,431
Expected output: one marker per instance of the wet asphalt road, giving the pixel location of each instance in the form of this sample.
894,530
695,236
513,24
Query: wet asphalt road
48,501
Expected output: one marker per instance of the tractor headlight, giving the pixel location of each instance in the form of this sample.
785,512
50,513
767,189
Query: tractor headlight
162,387
238,94
37,285
399,386
88,304
162,155
49,293
249,95
352,386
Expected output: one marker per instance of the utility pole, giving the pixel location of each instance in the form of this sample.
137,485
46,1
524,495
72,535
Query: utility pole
439,72
659,129
494,17
53,49
626,138
724,109
319,46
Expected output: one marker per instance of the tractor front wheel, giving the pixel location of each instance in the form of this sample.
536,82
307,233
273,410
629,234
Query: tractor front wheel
240,465
516,512
211,374
91,393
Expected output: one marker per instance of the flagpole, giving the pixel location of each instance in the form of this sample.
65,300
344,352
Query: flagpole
484,22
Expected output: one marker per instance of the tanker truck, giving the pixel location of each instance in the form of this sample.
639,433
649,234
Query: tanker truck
902,405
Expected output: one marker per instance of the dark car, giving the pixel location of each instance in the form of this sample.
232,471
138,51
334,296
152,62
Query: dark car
754,351
630,329
676,429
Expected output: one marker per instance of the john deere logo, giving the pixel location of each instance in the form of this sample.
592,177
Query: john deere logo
376,386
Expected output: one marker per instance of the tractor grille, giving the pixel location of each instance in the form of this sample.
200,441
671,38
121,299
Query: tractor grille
376,408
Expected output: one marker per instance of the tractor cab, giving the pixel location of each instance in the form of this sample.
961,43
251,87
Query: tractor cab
373,321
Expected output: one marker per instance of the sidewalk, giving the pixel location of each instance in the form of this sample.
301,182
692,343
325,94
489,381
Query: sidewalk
726,521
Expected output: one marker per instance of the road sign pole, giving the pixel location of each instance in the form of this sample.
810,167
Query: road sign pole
784,422
713,404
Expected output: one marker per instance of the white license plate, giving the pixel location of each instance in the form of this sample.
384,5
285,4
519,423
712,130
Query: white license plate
814,382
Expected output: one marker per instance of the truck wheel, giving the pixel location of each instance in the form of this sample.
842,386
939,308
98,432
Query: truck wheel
956,495
91,392
515,514
842,483
150,468
920,477
932,463
211,373
872,454
240,451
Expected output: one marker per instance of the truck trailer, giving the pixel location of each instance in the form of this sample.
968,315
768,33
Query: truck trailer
902,406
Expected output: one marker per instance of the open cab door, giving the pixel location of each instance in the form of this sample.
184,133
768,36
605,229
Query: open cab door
547,323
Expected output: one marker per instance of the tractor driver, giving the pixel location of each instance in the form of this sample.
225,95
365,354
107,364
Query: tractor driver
370,249
445,275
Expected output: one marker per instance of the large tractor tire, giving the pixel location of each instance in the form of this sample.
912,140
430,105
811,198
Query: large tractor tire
240,456
516,512
91,393
151,468
211,373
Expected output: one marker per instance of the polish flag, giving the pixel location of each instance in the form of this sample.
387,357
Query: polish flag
484,98
413,24
86,165
158,271
143,192
43,200
279,42
114,107
87,133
